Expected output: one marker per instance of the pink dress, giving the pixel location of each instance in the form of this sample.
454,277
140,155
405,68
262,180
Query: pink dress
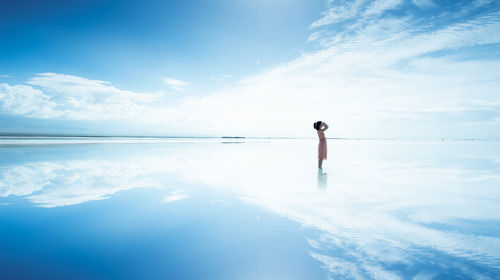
321,145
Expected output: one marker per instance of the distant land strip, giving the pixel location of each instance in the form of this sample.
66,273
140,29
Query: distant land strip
31,135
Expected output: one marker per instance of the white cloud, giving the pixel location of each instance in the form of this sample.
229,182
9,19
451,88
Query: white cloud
91,91
341,269
25,100
174,83
315,36
379,76
51,95
480,3
5,76
174,197
341,11
378,7
375,77
425,3
24,180
53,184
359,211
382,217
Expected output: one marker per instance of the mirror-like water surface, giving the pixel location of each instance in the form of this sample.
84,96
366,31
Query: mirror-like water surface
250,209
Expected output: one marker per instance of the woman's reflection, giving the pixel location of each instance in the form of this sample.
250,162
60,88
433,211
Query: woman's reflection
322,180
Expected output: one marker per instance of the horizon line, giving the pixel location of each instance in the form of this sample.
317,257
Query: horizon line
29,135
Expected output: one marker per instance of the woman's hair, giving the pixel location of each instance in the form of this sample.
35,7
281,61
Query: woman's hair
317,125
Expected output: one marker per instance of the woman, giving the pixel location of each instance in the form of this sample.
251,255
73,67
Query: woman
321,127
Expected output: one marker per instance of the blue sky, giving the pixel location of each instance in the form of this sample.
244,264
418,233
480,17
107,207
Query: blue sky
136,43
385,68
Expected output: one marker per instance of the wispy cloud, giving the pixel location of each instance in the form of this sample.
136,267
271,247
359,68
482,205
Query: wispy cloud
378,7
340,11
175,196
381,71
175,84
5,76
424,3
368,225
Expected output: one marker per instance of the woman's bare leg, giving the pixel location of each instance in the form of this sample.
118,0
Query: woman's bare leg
320,163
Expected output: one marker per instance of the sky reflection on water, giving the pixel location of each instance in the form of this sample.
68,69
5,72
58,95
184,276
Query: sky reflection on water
383,210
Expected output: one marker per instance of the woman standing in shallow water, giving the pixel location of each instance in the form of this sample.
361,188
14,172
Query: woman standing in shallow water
321,127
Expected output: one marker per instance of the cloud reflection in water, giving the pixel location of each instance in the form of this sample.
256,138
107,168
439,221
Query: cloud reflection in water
416,210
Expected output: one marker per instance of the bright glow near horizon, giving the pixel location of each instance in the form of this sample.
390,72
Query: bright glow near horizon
385,68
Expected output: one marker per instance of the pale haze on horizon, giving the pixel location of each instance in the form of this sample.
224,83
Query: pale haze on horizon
386,68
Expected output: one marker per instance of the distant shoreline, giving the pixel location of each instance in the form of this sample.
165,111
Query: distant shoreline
28,136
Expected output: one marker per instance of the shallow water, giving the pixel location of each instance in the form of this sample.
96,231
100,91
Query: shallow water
249,209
